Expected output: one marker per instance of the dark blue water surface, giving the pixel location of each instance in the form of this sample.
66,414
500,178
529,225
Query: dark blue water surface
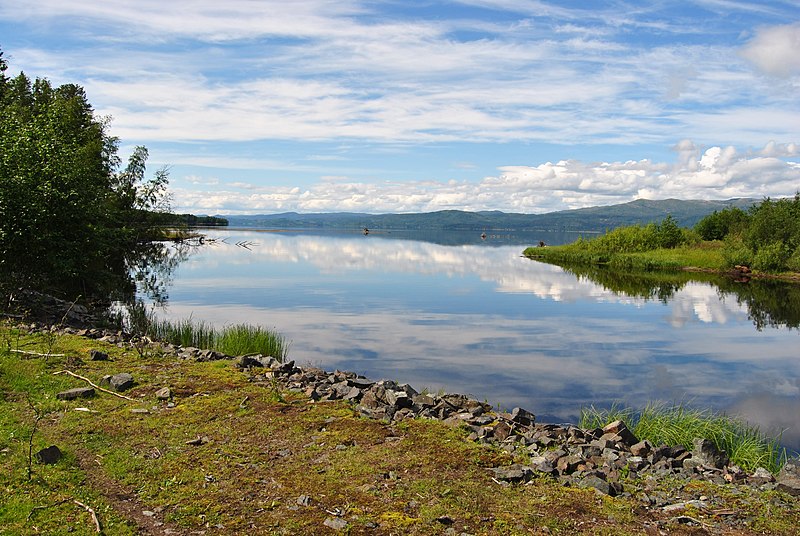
455,312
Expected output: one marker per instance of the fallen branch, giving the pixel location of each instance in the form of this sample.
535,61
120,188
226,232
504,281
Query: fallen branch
91,511
87,380
26,352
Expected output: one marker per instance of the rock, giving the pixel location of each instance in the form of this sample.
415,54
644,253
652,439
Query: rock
594,481
335,523
304,500
706,453
164,393
618,431
49,456
513,473
97,355
445,520
760,476
523,417
78,392
789,478
119,382
642,448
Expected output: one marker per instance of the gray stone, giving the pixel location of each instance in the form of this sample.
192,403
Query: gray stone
335,523
49,456
706,453
119,382
513,473
523,417
78,392
594,481
789,478
164,393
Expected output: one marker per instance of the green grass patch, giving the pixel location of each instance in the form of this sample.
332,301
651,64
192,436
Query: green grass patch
675,425
703,256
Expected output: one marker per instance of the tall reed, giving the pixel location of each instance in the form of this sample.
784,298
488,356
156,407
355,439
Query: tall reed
234,340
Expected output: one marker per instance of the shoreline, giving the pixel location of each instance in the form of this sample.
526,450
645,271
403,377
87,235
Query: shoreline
350,453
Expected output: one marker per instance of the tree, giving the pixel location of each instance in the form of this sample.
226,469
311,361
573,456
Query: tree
66,214
720,224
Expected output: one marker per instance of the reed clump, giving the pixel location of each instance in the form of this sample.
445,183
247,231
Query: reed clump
677,424
236,340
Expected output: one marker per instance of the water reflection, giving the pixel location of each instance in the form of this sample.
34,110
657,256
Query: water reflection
488,322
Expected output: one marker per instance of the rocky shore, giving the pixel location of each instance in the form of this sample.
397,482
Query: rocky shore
610,460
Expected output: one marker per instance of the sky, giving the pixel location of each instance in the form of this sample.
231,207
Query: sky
261,106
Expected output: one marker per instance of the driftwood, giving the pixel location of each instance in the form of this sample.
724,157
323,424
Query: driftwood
87,380
37,353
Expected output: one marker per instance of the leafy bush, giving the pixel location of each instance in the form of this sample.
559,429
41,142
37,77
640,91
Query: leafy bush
735,253
771,257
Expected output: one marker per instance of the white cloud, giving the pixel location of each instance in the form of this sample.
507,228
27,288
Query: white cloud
775,50
713,173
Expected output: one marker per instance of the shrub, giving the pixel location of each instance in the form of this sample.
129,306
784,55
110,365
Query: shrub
771,257
735,253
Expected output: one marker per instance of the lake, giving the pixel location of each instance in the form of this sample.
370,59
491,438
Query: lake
454,312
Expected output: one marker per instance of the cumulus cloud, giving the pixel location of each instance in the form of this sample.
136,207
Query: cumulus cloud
775,50
710,173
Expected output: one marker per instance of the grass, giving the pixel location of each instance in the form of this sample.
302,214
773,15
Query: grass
677,424
704,256
260,453
235,340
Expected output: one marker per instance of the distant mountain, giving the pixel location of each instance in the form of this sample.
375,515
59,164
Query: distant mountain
592,219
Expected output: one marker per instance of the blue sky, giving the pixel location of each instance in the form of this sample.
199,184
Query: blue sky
407,106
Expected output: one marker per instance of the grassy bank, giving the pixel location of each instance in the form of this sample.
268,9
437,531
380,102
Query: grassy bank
227,455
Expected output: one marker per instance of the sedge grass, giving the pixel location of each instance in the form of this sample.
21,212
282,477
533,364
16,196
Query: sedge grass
677,424
236,340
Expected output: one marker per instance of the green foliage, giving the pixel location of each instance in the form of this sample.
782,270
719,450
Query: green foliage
736,253
719,224
771,257
67,217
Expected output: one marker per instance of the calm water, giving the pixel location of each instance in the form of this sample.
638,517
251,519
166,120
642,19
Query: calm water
451,311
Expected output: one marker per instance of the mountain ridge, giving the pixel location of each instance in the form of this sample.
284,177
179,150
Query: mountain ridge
589,219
